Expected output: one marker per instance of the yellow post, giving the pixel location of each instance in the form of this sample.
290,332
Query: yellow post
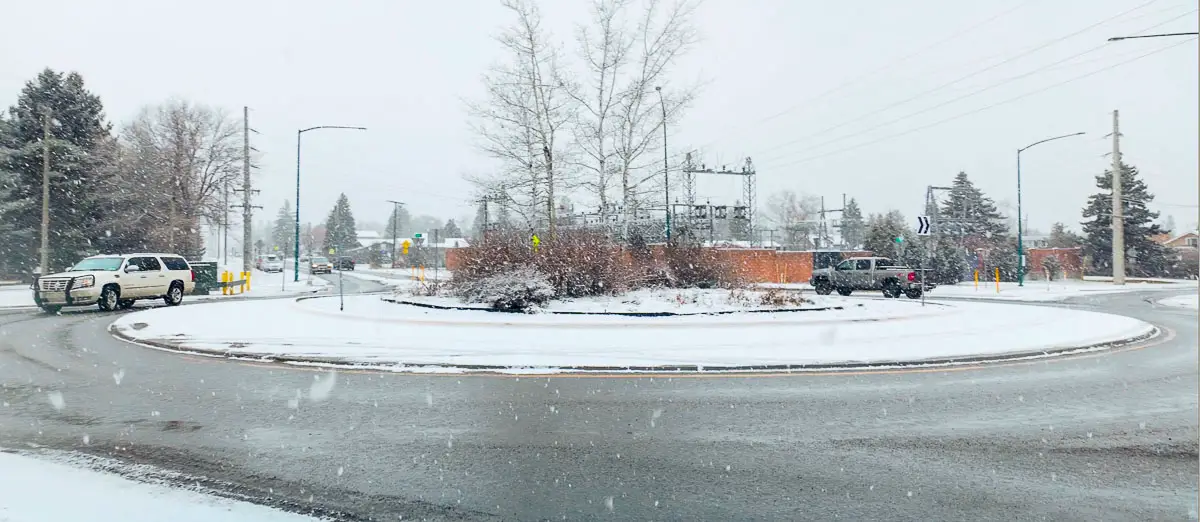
224,279
997,280
976,280
247,284
422,273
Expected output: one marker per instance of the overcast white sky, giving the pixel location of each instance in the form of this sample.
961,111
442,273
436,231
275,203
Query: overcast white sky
780,73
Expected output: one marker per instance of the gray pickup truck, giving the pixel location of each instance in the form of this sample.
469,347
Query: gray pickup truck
868,273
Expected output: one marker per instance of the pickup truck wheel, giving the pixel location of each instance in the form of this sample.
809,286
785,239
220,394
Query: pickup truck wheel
914,293
823,288
891,289
174,295
844,291
109,297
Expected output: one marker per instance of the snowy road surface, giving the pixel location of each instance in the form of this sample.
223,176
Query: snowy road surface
1190,301
403,337
1108,436
37,488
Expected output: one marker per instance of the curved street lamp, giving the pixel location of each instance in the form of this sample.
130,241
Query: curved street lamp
296,252
1020,225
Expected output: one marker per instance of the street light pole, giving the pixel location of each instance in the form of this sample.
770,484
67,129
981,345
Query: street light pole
1020,218
666,170
296,251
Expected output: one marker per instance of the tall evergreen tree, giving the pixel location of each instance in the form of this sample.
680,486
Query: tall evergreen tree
1143,256
450,229
1060,237
79,136
480,225
853,227
970,214
881,232
340,231
284,234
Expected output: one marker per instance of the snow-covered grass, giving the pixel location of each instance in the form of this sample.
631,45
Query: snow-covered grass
15,296
1047,291
659,300
1191,301
407,338
37,488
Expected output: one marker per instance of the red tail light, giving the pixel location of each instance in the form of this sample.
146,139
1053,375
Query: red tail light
912,276
193,275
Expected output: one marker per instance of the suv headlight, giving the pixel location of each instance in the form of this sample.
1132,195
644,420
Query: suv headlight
84,281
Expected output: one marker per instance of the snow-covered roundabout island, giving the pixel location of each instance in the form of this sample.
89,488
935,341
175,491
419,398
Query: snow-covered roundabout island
709,330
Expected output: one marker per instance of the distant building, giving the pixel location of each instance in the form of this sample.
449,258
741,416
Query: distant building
1184,240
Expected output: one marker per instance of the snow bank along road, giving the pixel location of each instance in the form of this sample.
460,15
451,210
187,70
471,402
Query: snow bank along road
1107,436
859,333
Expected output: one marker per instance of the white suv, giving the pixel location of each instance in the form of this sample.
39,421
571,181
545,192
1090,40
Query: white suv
116,281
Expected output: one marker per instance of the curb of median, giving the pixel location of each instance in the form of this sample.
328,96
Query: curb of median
486,369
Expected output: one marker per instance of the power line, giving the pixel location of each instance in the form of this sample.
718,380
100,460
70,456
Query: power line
964,96
965,77
981,109
882,68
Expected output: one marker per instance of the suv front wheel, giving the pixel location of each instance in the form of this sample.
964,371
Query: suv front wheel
109,298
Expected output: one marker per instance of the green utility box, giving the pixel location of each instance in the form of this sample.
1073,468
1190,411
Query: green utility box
206,277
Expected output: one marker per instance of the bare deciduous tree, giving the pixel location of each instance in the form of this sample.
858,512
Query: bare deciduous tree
604,48
663,36
795,215
522,120
182,154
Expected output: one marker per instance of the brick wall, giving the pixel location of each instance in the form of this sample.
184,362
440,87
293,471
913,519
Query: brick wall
1070,259
756,265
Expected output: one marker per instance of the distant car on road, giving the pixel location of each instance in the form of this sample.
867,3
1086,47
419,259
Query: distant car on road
345,263
868,273
115,281
320,265
272,263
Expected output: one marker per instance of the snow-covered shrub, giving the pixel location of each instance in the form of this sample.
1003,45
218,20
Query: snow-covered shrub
1052,266
577,263
691,266
581,263
780,298
517,288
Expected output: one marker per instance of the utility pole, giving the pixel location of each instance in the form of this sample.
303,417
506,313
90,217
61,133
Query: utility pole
1118,208
395,227
247,213
44,257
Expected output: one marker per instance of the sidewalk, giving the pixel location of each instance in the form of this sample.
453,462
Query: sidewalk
372,332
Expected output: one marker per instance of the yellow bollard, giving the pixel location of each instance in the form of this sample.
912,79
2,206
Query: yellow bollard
422,273
997,280
224,281
247,281
976,280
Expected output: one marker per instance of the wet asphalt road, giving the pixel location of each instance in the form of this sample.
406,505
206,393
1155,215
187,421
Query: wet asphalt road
1103,437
